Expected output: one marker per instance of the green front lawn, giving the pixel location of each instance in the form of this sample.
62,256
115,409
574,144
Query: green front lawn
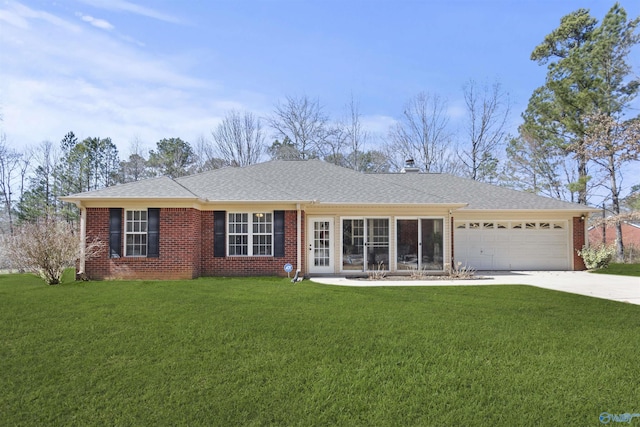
262,351
621,269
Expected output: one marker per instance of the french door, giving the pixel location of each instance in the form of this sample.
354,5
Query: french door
320,244
365,244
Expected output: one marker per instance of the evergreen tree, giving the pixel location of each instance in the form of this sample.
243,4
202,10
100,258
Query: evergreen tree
587,73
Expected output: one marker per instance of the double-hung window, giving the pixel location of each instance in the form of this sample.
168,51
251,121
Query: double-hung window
136,233
251,234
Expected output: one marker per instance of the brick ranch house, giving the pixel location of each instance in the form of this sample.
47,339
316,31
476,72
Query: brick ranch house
323,220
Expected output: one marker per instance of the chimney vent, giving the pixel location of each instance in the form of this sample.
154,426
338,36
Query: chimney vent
409,166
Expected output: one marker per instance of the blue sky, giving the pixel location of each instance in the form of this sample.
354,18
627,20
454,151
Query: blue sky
148,70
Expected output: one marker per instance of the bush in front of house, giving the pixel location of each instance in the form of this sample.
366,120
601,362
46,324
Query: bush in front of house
597,257
47,247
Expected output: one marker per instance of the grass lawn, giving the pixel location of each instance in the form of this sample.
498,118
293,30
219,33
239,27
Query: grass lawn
261,351
621,269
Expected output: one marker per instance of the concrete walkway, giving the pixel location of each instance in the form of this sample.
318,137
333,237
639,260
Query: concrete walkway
606,286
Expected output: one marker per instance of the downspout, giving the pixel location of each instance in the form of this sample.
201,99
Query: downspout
299,238
83,239
451,247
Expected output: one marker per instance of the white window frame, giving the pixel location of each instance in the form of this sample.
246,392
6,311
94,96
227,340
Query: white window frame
137,228
254,233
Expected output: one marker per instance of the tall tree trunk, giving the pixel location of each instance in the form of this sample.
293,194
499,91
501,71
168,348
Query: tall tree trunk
582,177
615,205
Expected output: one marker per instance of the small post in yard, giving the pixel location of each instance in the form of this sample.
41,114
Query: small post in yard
288,268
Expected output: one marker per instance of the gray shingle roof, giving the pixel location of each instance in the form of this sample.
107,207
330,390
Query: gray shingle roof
302,181
153,188
479,195
315,180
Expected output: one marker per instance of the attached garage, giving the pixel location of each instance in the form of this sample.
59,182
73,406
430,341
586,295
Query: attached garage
513,245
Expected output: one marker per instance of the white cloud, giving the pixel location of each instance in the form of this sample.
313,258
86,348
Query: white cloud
19,15
60,77
377,124
126,6
99,23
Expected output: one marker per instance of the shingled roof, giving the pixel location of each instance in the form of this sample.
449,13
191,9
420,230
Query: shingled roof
321,182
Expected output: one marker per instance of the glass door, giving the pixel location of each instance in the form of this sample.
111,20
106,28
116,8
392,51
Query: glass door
365,244
353,244
377,244
408,245
431,235
320,234
419,244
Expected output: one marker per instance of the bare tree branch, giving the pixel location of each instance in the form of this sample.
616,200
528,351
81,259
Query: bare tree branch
488,110
422,135
239,139
302,122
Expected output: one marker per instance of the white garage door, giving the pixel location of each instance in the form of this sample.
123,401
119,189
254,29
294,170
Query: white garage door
512,245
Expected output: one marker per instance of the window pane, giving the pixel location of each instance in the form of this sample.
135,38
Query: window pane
135,230
432,243
250,233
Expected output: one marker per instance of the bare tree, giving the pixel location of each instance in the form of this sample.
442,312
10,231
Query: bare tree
302,122
205,156
239,139
487,111
135,168
10,163
47,247
610,144
422,134
356,136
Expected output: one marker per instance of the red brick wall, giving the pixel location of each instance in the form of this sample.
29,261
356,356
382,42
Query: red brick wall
630,235
180,243
186,250
247,266
579,240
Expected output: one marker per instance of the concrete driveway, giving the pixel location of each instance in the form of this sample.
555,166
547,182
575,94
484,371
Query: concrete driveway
606,286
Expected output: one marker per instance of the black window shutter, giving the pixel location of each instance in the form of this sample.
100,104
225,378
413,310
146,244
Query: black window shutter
278,234
153,233
115,232
219,233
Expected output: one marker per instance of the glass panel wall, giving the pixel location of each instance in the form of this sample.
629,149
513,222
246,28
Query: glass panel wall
432,241
377,244
407,244
419,244
365,244
353,244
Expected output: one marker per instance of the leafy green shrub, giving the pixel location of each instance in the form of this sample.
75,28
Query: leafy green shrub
597,257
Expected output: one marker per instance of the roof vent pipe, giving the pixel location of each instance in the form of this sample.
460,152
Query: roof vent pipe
409,166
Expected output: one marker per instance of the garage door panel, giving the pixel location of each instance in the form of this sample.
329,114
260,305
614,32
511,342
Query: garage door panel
533,248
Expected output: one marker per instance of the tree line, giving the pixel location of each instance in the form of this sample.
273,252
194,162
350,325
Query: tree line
577,134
